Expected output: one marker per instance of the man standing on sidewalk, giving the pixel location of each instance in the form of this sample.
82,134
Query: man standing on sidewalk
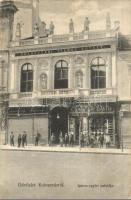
19,140
12,139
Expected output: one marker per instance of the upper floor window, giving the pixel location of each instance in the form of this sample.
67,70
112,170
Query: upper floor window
98,73
61,75
26,78
79,79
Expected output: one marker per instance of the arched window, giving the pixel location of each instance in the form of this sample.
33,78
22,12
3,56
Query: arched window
98,73
79,79
43,81
61,75
26,78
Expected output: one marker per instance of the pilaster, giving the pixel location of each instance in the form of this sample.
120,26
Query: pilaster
114,69
109,72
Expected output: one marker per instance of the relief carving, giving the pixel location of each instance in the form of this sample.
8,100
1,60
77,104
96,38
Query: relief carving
42,63
43,81
79,60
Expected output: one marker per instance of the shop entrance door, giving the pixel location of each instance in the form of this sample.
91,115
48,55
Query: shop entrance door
59,123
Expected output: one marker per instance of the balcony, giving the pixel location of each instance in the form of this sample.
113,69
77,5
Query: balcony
64,93
105,91
60,92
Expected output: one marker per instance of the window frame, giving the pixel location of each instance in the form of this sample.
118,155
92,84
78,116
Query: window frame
61,74
26,81
98,81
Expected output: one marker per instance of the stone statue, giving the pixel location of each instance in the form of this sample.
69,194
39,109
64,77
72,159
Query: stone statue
18,31
43,26
86,24
52,27
108,22
79,80
43,81
71,26
36,29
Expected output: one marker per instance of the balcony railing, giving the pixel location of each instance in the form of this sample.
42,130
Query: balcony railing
57,92
106,91
64,93
63,38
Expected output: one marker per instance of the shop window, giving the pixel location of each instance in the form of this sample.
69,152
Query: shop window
98,73
26,78
79,79
61,75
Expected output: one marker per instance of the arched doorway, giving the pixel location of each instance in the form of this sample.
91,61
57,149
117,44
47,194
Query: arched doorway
58,122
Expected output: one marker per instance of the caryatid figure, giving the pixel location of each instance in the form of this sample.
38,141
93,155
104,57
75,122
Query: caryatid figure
52,27
71,26
36,30
18,31
86,24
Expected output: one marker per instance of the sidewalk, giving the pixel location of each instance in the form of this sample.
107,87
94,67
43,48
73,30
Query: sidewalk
65,149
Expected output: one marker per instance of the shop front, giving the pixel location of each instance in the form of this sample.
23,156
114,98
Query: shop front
93,121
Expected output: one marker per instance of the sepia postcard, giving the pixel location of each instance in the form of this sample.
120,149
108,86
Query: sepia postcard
65,99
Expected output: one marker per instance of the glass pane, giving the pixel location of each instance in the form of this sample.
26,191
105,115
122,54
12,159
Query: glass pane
23,87
64,74
95,61
102,82
23,76
101,61
102,68
58,74
29,67
30,75
64,64
30,86
24,68
58,64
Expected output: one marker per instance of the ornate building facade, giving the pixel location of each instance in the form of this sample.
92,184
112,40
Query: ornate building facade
76,82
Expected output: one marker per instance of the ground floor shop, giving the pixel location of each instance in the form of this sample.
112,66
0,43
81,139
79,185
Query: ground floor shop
83,123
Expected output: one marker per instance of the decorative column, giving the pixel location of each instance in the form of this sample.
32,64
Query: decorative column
109,72
35,81
12,78
114,69
70,75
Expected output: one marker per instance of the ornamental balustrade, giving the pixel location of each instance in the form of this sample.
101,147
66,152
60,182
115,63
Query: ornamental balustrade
63,38
94,94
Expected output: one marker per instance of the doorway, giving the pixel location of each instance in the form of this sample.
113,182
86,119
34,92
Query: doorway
59,123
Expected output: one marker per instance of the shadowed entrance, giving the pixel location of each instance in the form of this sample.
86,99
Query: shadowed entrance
59,122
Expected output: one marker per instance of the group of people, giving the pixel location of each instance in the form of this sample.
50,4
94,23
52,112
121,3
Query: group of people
98,140
64,140
22,139
95,140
